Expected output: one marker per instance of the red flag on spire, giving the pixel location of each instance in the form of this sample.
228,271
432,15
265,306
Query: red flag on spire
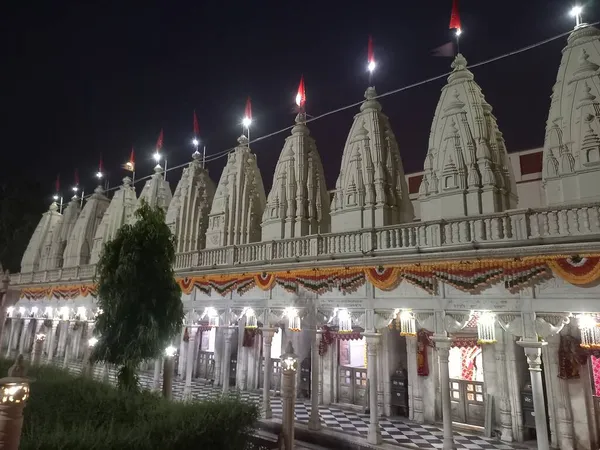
196,126
159,142
248,112
301,95
370,51
57,183
455,16
76,178
130,165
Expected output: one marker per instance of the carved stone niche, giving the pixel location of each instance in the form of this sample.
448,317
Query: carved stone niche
545,325
454,322
426,320
383,317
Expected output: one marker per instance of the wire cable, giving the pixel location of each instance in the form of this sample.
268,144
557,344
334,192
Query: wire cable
223,153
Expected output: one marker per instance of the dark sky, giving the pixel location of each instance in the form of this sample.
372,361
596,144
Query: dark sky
84,79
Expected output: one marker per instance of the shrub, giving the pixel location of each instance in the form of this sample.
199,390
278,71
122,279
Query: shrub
74,413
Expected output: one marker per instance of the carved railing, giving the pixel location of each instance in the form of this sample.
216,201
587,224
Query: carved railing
579,223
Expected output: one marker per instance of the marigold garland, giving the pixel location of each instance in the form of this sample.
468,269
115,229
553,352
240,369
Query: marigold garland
468,276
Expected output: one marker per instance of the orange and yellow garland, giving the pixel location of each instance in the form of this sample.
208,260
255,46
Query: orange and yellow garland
468,276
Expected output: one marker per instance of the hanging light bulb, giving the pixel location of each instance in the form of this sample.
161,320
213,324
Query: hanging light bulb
408,326
590,332
344,321
486,328
293,319
251,321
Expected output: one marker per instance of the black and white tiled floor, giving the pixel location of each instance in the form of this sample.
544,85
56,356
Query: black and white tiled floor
394,431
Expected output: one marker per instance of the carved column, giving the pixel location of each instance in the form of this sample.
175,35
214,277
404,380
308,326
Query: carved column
506,434
227,358
24,335
533,351
374,434
10,336
156,378
189,366
442,345
267,336
218,355
67,342
320,367
51,340
314,422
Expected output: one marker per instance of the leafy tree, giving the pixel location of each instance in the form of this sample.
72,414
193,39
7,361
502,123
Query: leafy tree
140,300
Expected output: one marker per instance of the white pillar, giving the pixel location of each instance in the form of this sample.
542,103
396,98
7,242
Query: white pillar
68,343
227,358
267,336
156,379
374,434
24,335
189,367
218,356
533,351
442,345
506,432
314,422
288,399
10,336
51,339
320,366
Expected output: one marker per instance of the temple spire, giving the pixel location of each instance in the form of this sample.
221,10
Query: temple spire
239,200
466,169
371,189
571,164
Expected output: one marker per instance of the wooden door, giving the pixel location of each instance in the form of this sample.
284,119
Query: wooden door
205,363
467,402
352,385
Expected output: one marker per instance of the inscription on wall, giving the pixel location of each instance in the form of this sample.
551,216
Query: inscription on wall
466,304
342,303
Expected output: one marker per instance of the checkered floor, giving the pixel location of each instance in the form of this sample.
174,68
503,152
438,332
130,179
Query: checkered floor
393,431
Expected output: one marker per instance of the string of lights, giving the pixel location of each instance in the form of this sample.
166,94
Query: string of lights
223,153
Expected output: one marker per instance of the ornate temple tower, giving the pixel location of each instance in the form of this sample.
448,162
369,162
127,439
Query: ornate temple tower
119,211
298,204
56,239
571,170
156,192
33,253
239,202
466,168
371,190
79,245
188,211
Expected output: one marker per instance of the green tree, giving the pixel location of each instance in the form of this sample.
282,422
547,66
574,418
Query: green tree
140,301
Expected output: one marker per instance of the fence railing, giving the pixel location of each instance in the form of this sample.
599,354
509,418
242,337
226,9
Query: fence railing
511,228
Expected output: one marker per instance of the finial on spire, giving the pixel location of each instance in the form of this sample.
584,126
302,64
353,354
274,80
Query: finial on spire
243,140
576,12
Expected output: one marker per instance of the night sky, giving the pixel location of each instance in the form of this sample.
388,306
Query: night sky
82,79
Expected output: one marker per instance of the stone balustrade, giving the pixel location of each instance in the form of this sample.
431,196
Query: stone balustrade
515,228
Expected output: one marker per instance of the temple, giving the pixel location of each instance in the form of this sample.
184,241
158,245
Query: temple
239,201
298,204
465,296
466,170
371,190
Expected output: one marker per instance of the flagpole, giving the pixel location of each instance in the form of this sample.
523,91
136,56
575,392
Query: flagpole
132,177
61,205
204,157
458,33
82,192
165,168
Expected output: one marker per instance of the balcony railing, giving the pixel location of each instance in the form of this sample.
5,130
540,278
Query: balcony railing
509,229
